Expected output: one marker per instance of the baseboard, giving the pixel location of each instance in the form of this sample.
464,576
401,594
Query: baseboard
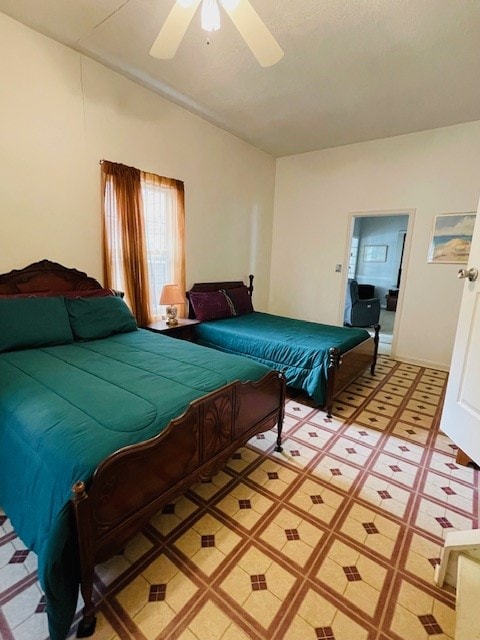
421,363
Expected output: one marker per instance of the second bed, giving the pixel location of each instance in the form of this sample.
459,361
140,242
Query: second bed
318,359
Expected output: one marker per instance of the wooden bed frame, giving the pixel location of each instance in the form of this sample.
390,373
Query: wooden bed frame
133,483
342,368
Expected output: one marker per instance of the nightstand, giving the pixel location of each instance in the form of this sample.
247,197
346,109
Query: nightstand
184,330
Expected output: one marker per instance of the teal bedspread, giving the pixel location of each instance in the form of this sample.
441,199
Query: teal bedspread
298,348
64,409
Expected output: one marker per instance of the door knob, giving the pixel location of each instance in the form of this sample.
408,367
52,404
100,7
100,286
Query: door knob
471,274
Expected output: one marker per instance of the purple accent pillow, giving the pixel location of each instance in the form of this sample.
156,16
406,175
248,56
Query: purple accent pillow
242,300
210,305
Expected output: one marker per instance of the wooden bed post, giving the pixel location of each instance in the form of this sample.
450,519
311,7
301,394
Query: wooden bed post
250,284
278,444
376,340
83,515
334,360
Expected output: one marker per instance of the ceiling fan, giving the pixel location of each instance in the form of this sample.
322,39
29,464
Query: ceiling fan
251,27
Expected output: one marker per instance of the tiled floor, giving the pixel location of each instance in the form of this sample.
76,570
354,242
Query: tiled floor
334,539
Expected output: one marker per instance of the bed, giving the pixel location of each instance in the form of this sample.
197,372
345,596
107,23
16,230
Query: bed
318,359
98,432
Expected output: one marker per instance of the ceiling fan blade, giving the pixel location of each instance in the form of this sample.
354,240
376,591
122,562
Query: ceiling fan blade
172,32
253,30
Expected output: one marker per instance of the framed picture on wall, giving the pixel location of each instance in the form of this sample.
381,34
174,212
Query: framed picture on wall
451,238
375,253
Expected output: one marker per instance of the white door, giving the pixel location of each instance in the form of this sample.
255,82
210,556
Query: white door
461,413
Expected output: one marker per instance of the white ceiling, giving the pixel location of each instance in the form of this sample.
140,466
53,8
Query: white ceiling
353,70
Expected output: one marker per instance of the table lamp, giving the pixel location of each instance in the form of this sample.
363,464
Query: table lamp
171,295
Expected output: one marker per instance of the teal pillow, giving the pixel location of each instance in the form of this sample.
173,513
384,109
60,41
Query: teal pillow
92,318
33,322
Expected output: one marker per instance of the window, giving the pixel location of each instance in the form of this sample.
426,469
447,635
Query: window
144,236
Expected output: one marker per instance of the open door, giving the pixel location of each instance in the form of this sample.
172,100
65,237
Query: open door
461,413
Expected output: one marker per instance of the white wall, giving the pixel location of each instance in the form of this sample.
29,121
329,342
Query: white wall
430,172
61,112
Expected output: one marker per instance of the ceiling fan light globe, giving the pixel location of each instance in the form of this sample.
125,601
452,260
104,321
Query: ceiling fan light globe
210,15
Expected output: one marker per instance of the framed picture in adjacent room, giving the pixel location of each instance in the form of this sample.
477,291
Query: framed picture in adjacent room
451,238
375,253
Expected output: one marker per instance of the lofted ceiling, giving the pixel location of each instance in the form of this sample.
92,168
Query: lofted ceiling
353,70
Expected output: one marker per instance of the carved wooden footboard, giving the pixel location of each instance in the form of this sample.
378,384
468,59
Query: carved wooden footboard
132,484
345,368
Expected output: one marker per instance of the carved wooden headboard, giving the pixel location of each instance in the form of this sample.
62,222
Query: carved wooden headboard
46,276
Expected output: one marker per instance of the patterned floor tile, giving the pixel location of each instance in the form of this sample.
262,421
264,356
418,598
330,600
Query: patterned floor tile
433,378
401,381
443,443
373,420
18,610
383,408
207,543
319,619
298,409
374,531
245,505
273,477
172,515
449,491
439,520
295,538
338,474
399,470
385,495
296,453
242,459
389,398
315,436
417,419
264,441
351,451
259,586
423,556
336,538
427,387
419,615
354,576
322,420
364,435
289,423
353,399
406,450
342,410
446,464
317,500
425,397
395,389
212,623
359,388
207,490
155,597
407,432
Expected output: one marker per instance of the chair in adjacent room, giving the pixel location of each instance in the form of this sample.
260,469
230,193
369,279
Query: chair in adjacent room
360,312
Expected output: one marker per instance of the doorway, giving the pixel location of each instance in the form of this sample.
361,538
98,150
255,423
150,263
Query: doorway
376,261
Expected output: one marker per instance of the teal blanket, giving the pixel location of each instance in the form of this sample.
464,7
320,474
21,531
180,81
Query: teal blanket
64,409
296,347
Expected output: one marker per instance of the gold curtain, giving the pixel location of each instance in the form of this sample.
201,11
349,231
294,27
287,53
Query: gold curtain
122,195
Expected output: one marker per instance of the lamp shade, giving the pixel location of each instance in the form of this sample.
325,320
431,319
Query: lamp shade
171,294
